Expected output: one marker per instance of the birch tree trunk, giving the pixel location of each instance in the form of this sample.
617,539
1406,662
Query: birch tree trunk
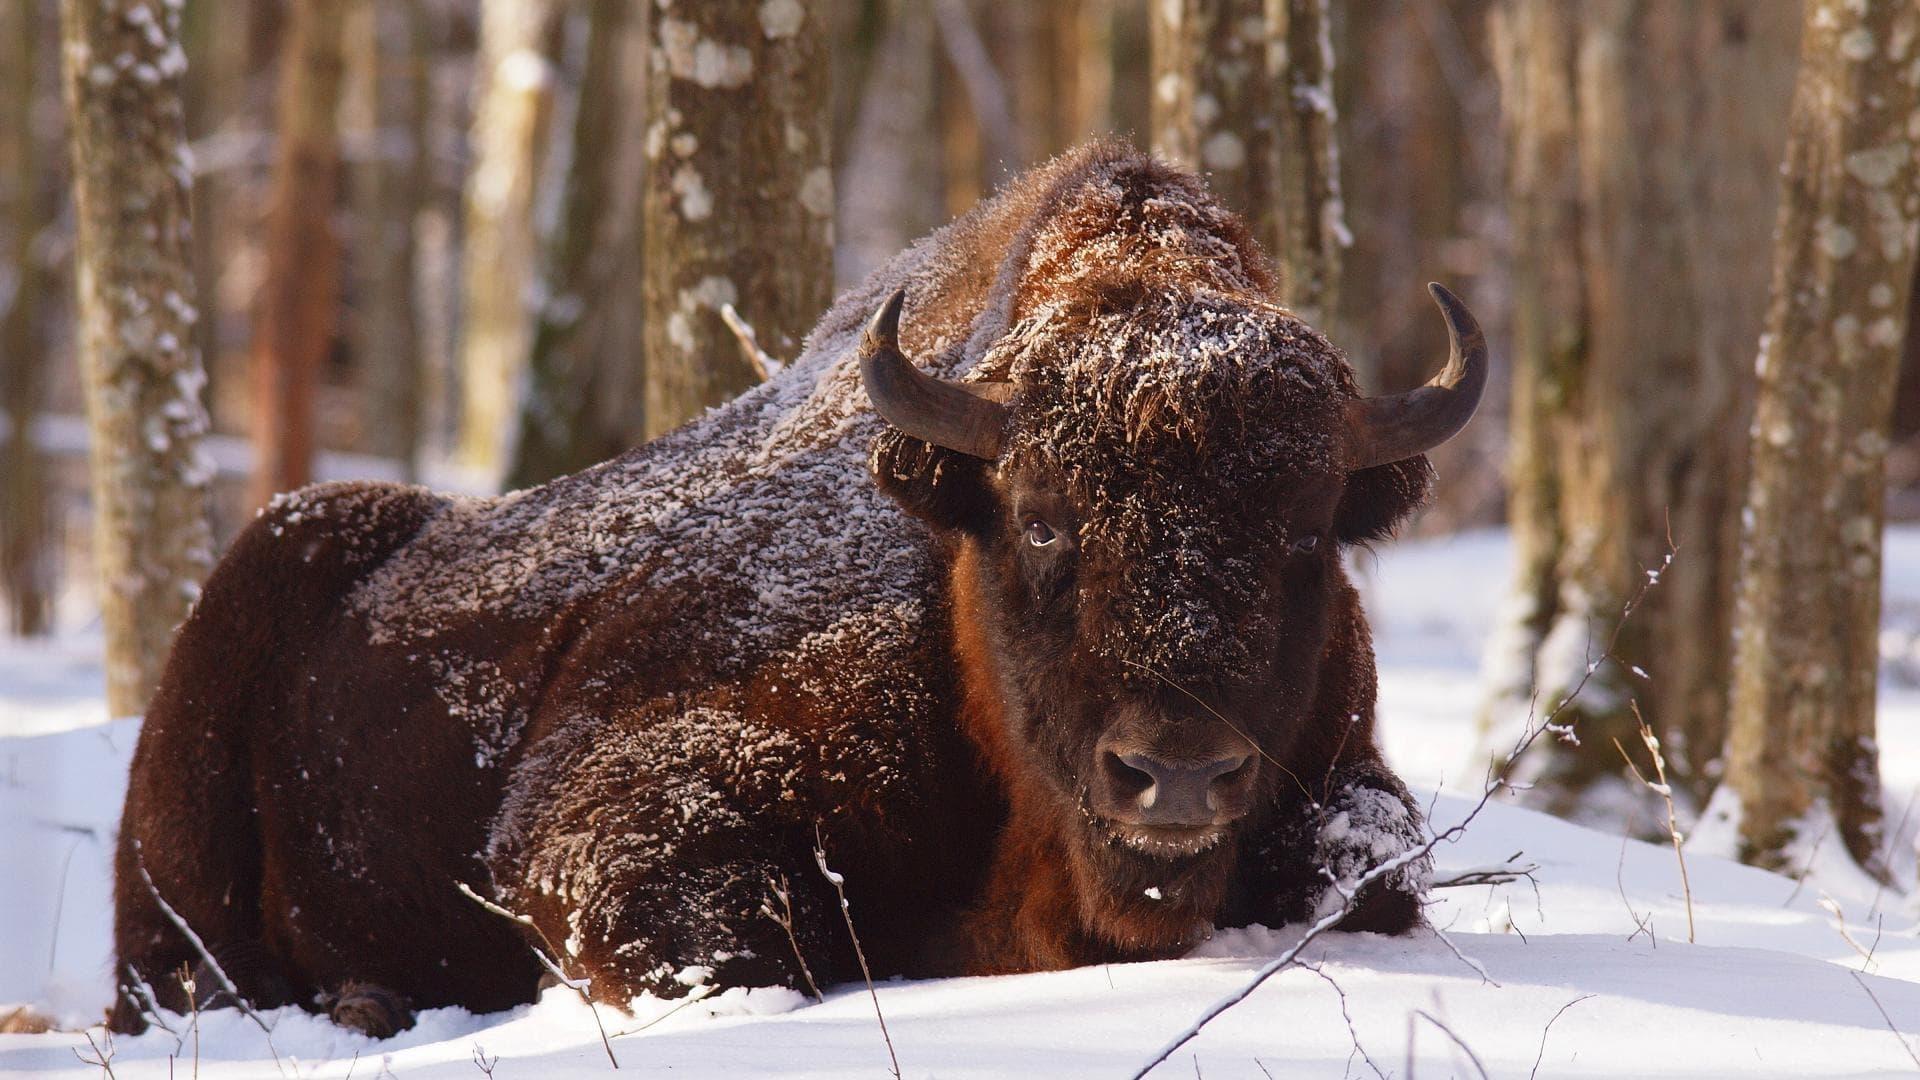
27,550
1626,427
739,193
122,65
1213,103
300,296
1309,228
1808,614
584,382
510,134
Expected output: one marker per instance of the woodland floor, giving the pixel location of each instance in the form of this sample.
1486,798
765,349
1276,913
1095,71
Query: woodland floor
1773,986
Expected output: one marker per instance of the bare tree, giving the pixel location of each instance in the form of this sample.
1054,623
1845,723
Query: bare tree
1213,102
1637,134
1807,619
390,54
27,549
1309,228
121,67
739,192
300,296
511,128
583,398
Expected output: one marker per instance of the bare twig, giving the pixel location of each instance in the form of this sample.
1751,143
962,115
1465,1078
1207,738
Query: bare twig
1495,782
1904,1045
1352,1032
1503,874
764,366
1832,907
784,916
1806,871
1886,854
484,1063
103,1059
1660,786
846,912
240,1002
697,995
1451,1034
1537,1058
192,989
582,987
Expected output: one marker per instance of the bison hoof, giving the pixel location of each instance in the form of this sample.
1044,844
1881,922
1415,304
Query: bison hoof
373,1011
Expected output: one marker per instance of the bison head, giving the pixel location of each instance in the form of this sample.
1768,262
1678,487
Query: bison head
1146,517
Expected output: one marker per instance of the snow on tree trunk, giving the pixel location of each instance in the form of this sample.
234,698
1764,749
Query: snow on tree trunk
1624,426
739,193
121,66
1808,612
299,297
1312,226
27,549
1214,104
510,132
584,382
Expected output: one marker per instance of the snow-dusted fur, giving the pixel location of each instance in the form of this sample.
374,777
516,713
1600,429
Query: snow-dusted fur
624,702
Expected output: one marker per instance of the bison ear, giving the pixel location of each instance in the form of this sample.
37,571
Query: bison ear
1378,498
944,488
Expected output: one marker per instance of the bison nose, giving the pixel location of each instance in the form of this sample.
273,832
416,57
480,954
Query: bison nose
1151,791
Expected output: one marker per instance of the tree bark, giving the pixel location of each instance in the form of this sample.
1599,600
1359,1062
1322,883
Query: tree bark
739,193
27,549
391,54
1214,103
1309,228
583,396
300,296
122,66
1625,427
510,135
1808,612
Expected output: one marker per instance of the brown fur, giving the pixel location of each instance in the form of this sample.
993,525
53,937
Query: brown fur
624,702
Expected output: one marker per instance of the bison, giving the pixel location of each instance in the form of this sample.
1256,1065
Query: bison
1051,648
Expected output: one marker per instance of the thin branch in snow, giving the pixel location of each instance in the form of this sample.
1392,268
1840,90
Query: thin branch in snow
484,1063
582,987
846,912
1496,782
1886,854
1904,1045
1352,1032
1449,1033
1660,786
1800,880
199,946
696,995
764,366
1478,968
1642,924
784,916
1497,874
1832,907
1537,1058
103,1059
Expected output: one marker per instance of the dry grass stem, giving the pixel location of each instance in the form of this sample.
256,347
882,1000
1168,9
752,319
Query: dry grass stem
581,987
1660,786
846,912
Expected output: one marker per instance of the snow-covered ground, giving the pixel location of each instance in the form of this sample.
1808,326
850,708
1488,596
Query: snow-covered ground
1590,974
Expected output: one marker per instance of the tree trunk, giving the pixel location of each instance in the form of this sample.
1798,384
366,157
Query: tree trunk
1801,755
885,198
510,135
27,549
1624,426
739,193
122,67
300,296
1309,228
390,54
582,402
1213,103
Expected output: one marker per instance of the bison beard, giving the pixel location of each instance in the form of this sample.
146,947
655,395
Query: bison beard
1075,676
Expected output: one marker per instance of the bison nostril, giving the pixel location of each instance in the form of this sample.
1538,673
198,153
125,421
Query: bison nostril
1128,783
1231,774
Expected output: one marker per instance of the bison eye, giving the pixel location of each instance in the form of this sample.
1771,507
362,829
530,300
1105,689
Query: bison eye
1040,534
1306,543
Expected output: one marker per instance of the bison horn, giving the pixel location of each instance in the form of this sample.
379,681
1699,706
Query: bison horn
968,417
1394,427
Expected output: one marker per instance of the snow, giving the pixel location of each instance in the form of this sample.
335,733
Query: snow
1777,984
